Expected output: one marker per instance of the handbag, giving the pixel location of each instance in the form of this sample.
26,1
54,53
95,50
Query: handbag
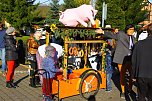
31,57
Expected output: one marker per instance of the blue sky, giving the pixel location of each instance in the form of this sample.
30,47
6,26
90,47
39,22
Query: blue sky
46,1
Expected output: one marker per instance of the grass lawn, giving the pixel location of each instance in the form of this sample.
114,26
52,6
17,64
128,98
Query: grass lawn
23,38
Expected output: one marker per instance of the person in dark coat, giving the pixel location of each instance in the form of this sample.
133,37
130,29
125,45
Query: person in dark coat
11,56
21,52
142,67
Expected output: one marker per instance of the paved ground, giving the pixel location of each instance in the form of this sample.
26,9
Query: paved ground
26,93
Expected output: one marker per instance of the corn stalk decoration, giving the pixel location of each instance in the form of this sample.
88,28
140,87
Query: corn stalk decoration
103,51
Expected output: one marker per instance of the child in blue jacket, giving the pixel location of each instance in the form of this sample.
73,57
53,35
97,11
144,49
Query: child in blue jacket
109,71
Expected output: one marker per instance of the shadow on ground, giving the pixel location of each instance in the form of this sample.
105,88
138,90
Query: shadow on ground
18,81
92,98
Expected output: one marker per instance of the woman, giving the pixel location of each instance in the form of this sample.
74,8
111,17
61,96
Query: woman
32,44
48,63
11,56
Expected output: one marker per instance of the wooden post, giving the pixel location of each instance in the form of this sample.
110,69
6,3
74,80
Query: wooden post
65,58
47,38
86,55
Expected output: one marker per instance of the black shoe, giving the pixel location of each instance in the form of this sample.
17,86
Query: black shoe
130,92
13,85
32,83
38,84
37,81
34,86
122,95
10,85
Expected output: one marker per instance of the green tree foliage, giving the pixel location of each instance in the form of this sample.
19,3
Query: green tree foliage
123,12
18,13
115,15
99,8
53,14
133,11
69,4
74,3
81,2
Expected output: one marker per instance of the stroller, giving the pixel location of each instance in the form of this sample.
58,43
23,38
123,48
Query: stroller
47,96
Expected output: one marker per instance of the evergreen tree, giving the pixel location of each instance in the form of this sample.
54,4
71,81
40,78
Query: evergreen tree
69,4
81,2
18,13
99,8
123,12
53,12
74,3
133,11
115,15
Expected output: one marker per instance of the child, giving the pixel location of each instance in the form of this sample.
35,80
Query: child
109,71
48,63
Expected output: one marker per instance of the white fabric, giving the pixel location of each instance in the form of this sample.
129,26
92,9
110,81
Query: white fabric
43,37
92,60
41,50
135,34
143,35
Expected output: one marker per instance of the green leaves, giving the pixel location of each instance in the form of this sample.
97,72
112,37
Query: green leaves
53,14
74,32
74,3
18,13
123,12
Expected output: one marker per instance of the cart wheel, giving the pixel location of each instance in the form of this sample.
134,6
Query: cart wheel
89,85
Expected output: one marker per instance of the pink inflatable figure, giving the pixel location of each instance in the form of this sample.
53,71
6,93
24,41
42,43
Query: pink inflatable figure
80,15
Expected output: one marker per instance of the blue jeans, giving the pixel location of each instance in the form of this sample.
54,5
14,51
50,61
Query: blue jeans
109,83
2,57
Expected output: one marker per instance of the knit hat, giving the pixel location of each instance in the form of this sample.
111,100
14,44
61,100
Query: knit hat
50,51
10,30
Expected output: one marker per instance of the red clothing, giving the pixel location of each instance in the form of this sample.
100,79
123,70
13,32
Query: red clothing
47,86
11,69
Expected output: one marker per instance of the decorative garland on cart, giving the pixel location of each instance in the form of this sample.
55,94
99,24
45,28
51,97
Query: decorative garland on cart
71,32
103,51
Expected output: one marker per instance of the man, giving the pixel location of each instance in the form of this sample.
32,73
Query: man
142,67
2,49
122,56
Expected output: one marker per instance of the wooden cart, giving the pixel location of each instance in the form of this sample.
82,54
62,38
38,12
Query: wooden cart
85,81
